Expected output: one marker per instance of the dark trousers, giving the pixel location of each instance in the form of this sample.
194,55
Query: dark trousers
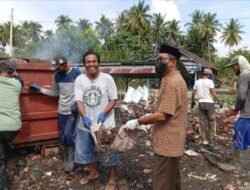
207,120
166,173
5,138
66,125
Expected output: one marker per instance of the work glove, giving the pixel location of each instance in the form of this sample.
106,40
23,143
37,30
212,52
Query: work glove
86,122
221,103
193,104
101,118
35,87
234,111
131,124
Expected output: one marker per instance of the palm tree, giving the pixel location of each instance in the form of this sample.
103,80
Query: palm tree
121,23
31,31
158,28
63,22
173,31
4,37
139,19
197,18
231,33
210,27
48,34
104,27
84,24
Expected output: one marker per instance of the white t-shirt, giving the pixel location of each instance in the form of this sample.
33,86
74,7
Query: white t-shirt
202,87
96,95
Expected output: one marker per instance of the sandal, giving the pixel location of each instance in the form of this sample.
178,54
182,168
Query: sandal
88,179
111,185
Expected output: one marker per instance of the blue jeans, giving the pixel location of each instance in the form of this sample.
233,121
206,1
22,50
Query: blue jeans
85,151
242,133
66,125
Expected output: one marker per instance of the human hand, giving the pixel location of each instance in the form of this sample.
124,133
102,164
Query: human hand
101,118
34,87
131,124
193,104
86,122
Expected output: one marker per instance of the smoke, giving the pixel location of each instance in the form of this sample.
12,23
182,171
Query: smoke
70,43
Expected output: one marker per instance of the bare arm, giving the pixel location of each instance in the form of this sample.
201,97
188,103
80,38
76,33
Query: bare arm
109,107
193,94
81,108
212,91
153,118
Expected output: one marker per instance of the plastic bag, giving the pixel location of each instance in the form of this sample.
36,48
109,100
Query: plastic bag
137,95
146,93
122,142
128,95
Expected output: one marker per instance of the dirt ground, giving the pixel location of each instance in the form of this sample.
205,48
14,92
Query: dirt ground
28,170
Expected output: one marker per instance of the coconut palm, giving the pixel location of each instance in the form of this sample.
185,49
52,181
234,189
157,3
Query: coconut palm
48,34
197,17
63,22
139,19
209,28
173,31
104,27
84,24
31,31
158,28
231,33
121,23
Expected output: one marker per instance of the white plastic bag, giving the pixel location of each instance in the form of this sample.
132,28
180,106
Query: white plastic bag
146,93
128,95
137,95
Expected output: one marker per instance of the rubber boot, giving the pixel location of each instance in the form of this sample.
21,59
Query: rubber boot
64,156
70,165
238,159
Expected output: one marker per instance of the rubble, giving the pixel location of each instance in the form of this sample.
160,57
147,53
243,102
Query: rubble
202,167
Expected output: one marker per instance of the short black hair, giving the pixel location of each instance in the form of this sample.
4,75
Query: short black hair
7,66
91,52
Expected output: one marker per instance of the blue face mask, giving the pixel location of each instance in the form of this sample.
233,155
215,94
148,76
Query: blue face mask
161,68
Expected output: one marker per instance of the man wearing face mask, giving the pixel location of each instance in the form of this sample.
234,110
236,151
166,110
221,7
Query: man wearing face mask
204,88
63,86
169,121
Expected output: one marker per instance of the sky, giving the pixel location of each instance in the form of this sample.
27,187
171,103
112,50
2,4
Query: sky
46,12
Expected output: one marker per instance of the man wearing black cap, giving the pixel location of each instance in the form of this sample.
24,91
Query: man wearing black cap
170,121
63,86
10,116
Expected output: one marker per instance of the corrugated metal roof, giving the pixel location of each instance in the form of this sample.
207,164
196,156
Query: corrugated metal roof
197,59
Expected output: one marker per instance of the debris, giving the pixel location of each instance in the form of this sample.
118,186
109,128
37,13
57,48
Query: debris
147,171
203,150
230,187
191,152
208,176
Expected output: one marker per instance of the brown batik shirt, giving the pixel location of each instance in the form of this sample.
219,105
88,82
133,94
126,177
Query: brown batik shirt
169,136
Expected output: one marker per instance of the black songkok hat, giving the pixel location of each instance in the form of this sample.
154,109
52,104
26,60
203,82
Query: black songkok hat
170,50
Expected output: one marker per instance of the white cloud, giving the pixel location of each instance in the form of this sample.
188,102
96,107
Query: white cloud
167,8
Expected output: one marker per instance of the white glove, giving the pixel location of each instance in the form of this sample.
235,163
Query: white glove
131,124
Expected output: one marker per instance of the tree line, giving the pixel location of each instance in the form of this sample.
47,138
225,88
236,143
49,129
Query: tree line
134,35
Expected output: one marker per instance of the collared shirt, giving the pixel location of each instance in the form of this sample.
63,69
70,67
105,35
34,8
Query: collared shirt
169,136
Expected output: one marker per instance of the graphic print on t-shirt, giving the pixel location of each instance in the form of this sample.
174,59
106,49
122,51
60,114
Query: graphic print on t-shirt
92,96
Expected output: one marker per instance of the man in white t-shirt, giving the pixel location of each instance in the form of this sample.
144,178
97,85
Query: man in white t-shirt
95,95
204,88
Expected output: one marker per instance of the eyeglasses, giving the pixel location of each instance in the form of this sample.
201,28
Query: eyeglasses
164,59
